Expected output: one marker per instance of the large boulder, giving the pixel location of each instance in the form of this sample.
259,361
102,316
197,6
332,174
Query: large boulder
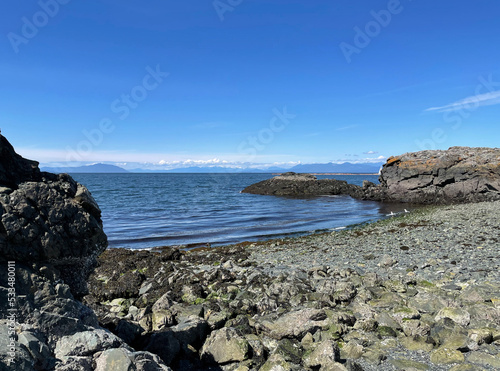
459,174
47,218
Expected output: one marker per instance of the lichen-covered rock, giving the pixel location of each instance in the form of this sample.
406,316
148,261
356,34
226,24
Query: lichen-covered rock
294,324
324,355
459,174
446,356
484,359
457,315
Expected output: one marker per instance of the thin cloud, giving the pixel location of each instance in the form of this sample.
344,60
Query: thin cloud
370,153
208,125
473,102
347,127
312,135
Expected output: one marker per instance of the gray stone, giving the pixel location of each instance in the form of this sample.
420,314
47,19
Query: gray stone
276,362
445,356
457,315
325,354
75,364
121,359
224,346
352,350
165,345
86,343
294,324
406,364
484,359
191,331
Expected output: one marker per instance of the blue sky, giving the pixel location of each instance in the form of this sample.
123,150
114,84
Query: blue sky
253,82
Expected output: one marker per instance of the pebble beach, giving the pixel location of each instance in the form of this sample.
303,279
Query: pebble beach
458,243
416,291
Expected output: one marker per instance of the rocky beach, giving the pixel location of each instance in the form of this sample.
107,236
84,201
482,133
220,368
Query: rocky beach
419,291
416,291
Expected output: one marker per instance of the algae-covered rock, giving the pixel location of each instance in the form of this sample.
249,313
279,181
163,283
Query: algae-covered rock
484,359
325,355
446,356
352,350
457,315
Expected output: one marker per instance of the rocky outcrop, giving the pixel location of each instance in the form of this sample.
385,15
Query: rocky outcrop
13,168
292,184
47,218
51,233
457,175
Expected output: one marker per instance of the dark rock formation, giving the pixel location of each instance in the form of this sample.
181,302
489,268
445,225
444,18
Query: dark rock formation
48,218
292,184
50,236
460,174
13,168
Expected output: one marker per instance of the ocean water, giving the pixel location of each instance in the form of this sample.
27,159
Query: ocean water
151,210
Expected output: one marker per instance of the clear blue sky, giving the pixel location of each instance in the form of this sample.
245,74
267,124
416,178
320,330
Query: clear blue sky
425,74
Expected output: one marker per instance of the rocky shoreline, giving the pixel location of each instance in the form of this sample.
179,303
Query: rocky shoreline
457,175
419,291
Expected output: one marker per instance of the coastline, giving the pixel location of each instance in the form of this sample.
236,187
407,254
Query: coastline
464,234
361,174
420,290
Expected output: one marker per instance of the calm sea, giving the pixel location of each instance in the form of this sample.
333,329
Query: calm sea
150,210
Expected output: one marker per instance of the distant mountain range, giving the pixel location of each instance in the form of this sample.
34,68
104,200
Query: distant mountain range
345,168
96,168
212,169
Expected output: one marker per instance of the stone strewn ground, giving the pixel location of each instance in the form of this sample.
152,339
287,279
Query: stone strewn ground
416,292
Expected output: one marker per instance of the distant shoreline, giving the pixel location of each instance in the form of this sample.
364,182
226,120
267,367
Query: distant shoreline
334,173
